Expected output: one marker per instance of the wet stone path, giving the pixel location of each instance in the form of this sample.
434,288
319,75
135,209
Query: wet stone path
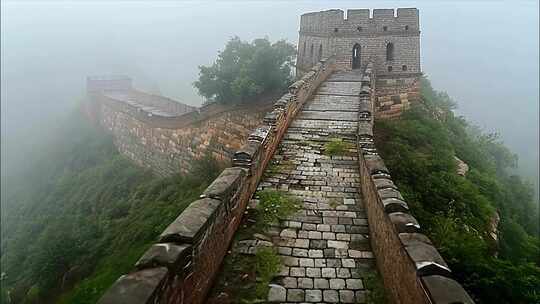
324,247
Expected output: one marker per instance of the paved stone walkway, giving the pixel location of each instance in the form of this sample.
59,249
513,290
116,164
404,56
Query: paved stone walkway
324,247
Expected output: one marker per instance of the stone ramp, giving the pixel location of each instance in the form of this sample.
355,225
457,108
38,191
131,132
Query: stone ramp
324,248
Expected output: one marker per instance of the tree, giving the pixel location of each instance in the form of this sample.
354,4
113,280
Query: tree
245,70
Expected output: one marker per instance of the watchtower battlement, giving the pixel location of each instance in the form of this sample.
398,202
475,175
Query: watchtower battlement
336,23
387,37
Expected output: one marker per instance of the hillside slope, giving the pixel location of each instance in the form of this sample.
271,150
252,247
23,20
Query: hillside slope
496,263
83,216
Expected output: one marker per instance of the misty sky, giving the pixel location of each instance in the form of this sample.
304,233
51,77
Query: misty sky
484,54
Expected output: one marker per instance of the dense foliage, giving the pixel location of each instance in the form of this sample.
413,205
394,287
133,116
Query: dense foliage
458,212
83,216
245,70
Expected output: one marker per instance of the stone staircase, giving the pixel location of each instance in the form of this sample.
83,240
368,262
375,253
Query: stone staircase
324,247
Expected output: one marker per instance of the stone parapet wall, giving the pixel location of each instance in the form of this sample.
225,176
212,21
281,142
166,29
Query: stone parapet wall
412,269
171,150
181,265
164,135
396,94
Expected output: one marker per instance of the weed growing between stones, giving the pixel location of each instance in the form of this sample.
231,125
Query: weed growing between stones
283,166
334,202
267,266
337,147
244,278
274,205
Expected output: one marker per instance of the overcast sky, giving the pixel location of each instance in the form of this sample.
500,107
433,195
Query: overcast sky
484,54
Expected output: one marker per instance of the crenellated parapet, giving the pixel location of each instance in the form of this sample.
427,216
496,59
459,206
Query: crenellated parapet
181,265
412,269
361,22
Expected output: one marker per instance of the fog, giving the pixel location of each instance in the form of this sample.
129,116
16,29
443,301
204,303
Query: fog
484,54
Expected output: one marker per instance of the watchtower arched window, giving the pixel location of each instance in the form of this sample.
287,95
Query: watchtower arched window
311,52
304,50
320,51
356,56
390,51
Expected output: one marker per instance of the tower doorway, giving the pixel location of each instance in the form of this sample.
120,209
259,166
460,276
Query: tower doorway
356,57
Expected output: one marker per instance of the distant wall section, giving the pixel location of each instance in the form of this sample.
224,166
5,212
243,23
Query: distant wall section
164,135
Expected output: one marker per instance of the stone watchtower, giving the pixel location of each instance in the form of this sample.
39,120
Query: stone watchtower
389,38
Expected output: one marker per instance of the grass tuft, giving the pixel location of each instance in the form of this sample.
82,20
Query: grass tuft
275,205
337,147
267,266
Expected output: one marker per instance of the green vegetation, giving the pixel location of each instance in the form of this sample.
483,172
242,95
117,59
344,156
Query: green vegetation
456,211
275,205
83,216
245,70
337,147
373,282
267,265
282,166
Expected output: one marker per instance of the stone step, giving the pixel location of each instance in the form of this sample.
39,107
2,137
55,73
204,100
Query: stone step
339,88
329,115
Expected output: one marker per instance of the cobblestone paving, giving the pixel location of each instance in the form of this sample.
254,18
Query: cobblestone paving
324,248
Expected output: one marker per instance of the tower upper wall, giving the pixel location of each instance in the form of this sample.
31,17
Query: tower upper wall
389,38
335,23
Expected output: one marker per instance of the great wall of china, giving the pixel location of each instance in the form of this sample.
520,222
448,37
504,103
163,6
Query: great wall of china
354,70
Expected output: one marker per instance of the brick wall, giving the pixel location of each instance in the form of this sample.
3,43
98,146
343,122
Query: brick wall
396,94
412,269
181,265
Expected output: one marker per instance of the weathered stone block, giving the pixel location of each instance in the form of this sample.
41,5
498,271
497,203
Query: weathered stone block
247,154
225,185
412,238
404,222
277,293
364,107
383,183
141,287
260,134
380,175
443,290
191,223
375,164
394,205
389,193
365,90
169,255
365,129
427,259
